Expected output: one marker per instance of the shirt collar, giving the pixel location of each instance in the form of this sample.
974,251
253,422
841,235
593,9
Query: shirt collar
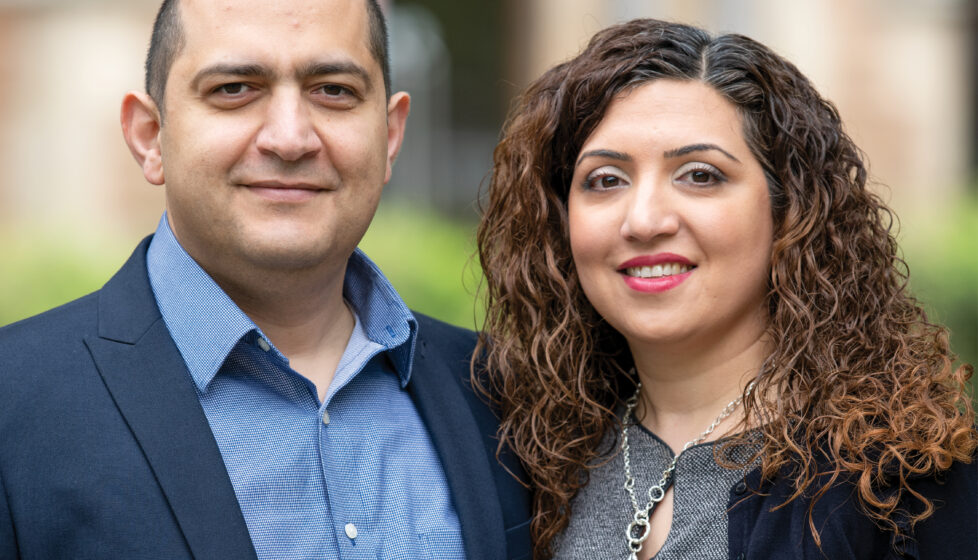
385,317
206,324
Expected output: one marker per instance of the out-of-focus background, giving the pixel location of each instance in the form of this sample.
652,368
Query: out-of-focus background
73,204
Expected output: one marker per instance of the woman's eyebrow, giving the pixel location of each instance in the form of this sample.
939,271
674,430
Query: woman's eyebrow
697,148
611,154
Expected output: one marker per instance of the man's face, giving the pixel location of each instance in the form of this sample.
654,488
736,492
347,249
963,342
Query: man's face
275,145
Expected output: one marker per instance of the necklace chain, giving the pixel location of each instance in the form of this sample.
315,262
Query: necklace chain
638,529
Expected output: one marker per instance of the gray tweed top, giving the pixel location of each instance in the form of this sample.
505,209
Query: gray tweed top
602,510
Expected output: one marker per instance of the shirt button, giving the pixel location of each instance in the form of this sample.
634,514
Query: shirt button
740,488
351,530
263,344
326,422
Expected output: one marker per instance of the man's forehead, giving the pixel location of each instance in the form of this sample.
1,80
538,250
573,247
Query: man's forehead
339,20
286,8
283,33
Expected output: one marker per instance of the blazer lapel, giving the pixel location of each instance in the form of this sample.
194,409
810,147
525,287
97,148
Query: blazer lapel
458,439
146,375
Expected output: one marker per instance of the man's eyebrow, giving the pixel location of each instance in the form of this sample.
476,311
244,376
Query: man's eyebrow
258,71
697,148
329,68
610,154
246,70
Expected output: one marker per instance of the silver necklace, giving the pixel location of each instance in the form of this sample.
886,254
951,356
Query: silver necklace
638,530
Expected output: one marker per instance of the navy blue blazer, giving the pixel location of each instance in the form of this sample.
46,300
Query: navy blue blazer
762,527
105,451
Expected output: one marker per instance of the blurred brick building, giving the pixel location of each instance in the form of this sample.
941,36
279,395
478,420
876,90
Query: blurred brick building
901,71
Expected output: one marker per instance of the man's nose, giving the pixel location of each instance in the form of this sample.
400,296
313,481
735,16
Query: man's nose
288,131
652,211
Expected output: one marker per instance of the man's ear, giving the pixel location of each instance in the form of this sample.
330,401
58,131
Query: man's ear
397,113
141,124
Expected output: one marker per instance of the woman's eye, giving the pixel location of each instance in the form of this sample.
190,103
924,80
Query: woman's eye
701,175
604,179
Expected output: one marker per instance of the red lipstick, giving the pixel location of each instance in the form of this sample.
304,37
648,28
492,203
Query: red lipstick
660,283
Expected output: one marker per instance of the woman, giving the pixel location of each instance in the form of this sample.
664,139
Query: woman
682,257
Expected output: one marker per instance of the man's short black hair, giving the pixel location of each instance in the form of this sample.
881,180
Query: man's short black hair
168,40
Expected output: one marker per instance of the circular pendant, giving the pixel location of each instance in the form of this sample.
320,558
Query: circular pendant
637,532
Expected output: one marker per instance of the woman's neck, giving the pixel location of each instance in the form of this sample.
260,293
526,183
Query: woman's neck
683,393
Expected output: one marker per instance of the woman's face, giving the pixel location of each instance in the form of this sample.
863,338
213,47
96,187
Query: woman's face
670,220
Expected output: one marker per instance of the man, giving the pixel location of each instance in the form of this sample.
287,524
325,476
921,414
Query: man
249,386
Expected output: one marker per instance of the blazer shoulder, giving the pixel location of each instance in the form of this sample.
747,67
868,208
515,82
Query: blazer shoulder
49,350
40,352
444,337
760,520
51,328
124,304
954,495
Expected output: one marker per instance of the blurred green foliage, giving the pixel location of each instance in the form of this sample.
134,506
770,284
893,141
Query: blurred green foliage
41,269
942,255
429,259
426,256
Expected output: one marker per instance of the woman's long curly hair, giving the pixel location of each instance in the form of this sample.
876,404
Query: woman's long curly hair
863,378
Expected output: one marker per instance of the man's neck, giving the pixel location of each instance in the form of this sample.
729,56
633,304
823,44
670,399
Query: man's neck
304,316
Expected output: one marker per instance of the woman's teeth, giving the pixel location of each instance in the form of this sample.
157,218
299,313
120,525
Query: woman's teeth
657,271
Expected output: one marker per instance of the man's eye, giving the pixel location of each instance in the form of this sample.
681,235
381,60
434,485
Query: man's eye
236,88
336,96
334,90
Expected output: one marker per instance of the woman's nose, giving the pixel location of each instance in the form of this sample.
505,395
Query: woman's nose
651,212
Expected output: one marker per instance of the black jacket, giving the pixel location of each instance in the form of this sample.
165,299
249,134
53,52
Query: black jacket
759,530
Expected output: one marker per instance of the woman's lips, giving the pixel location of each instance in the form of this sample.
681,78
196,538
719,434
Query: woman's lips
656,273
655,284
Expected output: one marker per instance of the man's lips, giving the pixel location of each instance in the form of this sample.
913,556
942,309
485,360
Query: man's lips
280,191
301,186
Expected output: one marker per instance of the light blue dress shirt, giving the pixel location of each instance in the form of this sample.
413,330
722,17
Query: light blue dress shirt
353,477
